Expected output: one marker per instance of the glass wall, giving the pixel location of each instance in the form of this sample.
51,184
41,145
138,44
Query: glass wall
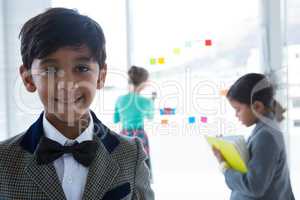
193,50
292,57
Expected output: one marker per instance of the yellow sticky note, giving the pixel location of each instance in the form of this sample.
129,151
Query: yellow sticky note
176,51
161,60
152,61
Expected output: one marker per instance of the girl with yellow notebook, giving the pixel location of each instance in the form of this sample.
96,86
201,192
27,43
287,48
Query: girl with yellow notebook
267,178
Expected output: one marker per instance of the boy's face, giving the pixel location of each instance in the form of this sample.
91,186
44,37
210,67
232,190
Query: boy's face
66,81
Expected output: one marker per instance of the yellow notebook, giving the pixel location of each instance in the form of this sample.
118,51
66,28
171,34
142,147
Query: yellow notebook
233,149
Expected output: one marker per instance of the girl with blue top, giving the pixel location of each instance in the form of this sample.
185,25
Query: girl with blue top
268,174
132,108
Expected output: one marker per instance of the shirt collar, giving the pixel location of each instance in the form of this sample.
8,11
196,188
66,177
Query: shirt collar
52,133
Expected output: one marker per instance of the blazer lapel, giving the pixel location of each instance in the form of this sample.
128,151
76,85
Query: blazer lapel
102,173
45,177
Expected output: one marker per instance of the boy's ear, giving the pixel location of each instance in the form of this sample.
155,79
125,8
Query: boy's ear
27,79
258,106
102,76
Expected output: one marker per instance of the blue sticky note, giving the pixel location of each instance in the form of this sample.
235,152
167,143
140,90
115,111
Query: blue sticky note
161,111
174,111
192,120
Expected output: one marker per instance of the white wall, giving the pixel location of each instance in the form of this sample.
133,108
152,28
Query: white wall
2,77
14,13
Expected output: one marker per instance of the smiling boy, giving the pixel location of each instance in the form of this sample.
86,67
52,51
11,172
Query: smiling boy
68,153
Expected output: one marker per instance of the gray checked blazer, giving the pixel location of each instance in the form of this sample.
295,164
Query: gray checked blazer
118,172
268,174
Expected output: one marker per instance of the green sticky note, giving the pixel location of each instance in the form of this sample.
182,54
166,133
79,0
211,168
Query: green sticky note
176,51
188,44
152,61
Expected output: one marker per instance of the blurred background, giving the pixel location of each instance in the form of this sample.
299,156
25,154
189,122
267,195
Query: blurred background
194,50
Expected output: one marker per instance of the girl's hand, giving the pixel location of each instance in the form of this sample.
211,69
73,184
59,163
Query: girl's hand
218,155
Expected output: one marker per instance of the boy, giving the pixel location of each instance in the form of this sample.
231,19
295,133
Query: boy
68,153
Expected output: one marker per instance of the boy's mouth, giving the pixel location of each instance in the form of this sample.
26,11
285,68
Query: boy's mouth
68,102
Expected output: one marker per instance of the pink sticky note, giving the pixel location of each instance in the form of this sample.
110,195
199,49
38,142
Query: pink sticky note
208,42
204,119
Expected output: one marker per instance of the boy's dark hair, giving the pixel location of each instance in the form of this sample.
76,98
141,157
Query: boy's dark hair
255,87
60,27
137,75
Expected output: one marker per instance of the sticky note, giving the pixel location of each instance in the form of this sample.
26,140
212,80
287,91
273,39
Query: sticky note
203,119
161,111
167,111
173,110
164,121
161,60
152,61
188,44
192,120
176,51
223,92
208,42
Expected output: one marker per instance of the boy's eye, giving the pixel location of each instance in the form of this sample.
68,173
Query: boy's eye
49,71
82,68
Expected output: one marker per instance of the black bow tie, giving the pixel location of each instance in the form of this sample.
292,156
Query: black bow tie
50,150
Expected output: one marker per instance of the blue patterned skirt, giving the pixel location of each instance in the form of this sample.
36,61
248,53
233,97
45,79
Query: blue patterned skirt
140,133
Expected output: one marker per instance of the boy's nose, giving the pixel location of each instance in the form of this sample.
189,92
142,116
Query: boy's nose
70,85
67,91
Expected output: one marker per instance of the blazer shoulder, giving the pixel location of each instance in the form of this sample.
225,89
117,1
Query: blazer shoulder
130,150
124,140
125,143
269,137
11,143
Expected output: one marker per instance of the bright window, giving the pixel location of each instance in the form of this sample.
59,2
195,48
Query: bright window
192,49
293,63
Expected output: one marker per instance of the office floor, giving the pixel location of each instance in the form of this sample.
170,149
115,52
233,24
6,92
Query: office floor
184,168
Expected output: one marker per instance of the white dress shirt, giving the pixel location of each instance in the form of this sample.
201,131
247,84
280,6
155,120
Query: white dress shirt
71,174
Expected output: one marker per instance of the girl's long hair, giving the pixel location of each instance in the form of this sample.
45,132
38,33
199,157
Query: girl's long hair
256,87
